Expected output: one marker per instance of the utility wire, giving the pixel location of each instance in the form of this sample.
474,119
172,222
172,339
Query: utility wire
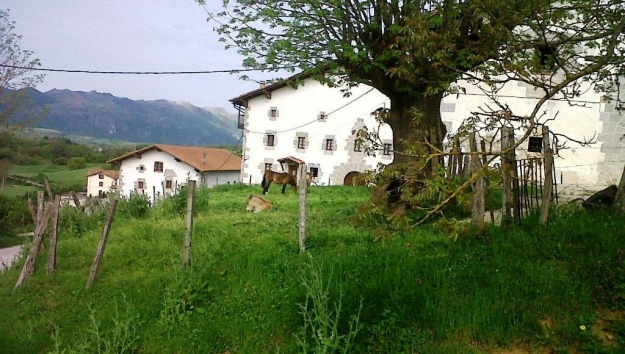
314,120
231,153
131,72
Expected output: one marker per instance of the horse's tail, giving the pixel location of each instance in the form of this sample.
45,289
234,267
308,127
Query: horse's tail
264,181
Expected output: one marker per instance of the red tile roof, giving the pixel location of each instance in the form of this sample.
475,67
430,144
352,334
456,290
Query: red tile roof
111,173
201,158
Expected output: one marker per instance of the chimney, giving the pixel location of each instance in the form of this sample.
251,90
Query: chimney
204,158
262,84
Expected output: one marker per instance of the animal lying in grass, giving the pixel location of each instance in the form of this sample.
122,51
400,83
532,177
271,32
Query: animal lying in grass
257,204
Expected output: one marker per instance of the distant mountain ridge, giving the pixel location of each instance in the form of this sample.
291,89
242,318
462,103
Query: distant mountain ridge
102,115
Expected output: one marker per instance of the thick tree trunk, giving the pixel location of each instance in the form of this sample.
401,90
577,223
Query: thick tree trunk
417,132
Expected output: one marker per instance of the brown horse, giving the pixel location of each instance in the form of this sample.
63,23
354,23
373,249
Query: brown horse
277,177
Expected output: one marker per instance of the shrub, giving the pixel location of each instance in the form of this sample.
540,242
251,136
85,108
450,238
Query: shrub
76,163
135,207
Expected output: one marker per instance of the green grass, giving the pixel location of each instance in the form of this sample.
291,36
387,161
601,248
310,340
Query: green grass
12,191
249,290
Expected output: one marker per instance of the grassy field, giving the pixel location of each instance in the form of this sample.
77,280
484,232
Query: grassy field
556,288
58,175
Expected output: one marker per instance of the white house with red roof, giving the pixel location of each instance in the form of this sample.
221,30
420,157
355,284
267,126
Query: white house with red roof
161,170
101,182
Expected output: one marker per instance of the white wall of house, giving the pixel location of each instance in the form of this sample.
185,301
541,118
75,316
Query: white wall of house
297,115
592,167
134,170
214,178
99,183
597,165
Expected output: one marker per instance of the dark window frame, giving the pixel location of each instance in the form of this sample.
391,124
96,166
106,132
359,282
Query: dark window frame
271,140
301,142
329,144
158,166
388,148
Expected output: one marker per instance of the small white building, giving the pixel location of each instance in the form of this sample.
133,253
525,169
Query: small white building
101,182
161,170
286,124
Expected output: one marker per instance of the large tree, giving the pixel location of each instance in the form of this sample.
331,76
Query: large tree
414,50
16,78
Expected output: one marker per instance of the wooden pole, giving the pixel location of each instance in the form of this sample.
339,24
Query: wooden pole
302,207
506,135
31,259
548,185
33,211
186,258
40,206
95,266
53,234
47,183
477,207
76,200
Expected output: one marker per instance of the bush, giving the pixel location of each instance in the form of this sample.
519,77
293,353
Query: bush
135,207
76,163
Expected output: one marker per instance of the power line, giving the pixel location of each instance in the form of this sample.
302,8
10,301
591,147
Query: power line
314,120
131,72
231,153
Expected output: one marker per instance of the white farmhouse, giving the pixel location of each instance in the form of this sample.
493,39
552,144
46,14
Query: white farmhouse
101,182
160,170
284,125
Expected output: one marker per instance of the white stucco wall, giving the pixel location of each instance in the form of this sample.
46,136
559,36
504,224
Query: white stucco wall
298,111
93,185
130,173
597,165
214,178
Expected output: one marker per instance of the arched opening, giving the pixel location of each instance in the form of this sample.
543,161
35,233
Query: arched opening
354,178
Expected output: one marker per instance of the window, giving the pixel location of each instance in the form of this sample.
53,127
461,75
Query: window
140,185
387,149
273,112
330,144
141,168
168,184
547,56
268,167
101,176
101,184
301,142
158,166
322,116
270,139
314,171
535,144
358,145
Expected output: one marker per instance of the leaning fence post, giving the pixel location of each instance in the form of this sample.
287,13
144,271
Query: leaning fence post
95,266
31,259
53,235
186,258
302,206
548,185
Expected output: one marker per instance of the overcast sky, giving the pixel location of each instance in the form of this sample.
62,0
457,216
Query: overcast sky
131,35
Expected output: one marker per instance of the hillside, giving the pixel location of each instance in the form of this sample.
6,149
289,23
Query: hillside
104,116
531,288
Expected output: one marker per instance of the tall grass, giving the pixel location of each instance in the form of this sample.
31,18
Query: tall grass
249,290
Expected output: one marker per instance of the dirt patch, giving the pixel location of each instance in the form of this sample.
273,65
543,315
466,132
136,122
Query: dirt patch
602,326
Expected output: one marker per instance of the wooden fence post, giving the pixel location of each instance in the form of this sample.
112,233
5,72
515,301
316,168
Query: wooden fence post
40,206
548,185
301,172
188,231
477,207
95,266
47,183
53,234
76,201
507,135
31,259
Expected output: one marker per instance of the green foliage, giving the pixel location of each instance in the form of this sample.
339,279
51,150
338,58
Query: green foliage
76,223
14,217
76,163
248,290
135,207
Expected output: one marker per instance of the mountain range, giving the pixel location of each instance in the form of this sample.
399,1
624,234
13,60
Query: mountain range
104,116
